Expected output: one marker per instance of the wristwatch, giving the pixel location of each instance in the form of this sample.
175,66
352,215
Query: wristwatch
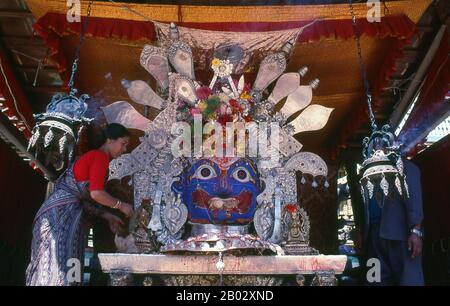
418,232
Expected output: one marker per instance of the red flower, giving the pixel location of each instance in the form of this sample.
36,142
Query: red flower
203,92
248,119
224,119
234,103
291,208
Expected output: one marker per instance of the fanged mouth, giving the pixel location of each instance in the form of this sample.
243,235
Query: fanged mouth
239,204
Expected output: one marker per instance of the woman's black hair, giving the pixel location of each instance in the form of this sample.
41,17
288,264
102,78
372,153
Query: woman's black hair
113,131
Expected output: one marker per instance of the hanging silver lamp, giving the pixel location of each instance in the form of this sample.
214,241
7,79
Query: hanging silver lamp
57,131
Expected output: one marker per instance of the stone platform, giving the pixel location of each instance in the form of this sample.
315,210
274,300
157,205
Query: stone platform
243,270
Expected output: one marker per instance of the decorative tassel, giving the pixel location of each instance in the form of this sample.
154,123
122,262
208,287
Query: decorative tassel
369,186
398,184
406,186
33,139
314,183
48,138
62,143
399,165
80,130
303,181
71,149
384,185
326,184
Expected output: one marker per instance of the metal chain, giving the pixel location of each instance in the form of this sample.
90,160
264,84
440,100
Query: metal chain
72,90
363,70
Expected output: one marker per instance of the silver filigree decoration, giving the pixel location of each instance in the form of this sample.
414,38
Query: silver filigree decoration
271,67
154,60
59,126
277,227
370,187
33,138
157,138
62,143
144,154
48,138
307,162
175,215
122,166
155,223
264,220
288,145
266,195
71,150
180,56
399,165
363,194
406,186
398,184
384,185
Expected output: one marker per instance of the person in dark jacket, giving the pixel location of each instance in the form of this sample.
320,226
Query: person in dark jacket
393,232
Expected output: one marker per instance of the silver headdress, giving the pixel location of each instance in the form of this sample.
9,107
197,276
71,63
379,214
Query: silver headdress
154,168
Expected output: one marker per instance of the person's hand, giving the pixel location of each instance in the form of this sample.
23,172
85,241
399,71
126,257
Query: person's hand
115,223
415,245
126,209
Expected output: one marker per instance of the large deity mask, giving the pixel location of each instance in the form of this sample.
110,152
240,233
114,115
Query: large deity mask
219,197
220,191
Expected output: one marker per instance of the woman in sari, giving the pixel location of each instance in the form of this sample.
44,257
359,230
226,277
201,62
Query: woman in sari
59,229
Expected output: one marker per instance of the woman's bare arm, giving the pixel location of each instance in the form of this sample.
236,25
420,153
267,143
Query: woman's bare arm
105,199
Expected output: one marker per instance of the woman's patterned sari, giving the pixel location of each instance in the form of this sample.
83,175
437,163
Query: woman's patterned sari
59,234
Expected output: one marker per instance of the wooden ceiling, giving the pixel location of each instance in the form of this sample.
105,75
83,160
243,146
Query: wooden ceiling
105,62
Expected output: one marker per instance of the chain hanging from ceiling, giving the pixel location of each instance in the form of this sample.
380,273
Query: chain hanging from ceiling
57,131
382,166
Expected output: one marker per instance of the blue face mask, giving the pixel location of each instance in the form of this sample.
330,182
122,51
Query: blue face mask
220,194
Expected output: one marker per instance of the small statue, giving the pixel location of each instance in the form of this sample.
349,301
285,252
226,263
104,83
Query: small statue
296,229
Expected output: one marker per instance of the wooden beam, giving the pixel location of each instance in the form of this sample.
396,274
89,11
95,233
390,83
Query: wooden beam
413,142
419,77
12,90
15,13
22,40
19,144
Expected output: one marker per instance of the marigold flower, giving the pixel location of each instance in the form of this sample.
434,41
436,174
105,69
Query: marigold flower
215,62
245,96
